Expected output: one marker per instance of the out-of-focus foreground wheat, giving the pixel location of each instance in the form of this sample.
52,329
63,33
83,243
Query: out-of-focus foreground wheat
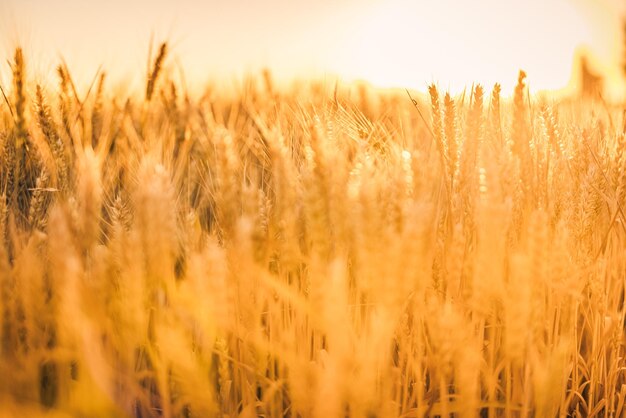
307,253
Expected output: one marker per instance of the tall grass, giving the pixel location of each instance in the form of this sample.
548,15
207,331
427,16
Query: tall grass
309,253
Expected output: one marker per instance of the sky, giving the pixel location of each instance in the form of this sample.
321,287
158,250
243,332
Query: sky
390,43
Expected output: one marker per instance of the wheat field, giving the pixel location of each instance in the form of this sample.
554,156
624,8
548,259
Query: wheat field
315,251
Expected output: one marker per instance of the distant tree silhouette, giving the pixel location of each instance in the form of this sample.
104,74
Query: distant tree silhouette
624,47
590,82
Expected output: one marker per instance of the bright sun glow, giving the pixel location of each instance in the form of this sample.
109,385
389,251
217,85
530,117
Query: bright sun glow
456,43
391,43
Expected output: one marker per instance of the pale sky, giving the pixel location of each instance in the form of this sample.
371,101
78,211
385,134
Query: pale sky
391,43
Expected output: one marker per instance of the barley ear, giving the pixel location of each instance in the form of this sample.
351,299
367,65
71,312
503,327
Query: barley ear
156,70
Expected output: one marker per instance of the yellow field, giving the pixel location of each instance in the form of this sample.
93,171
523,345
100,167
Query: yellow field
313,252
